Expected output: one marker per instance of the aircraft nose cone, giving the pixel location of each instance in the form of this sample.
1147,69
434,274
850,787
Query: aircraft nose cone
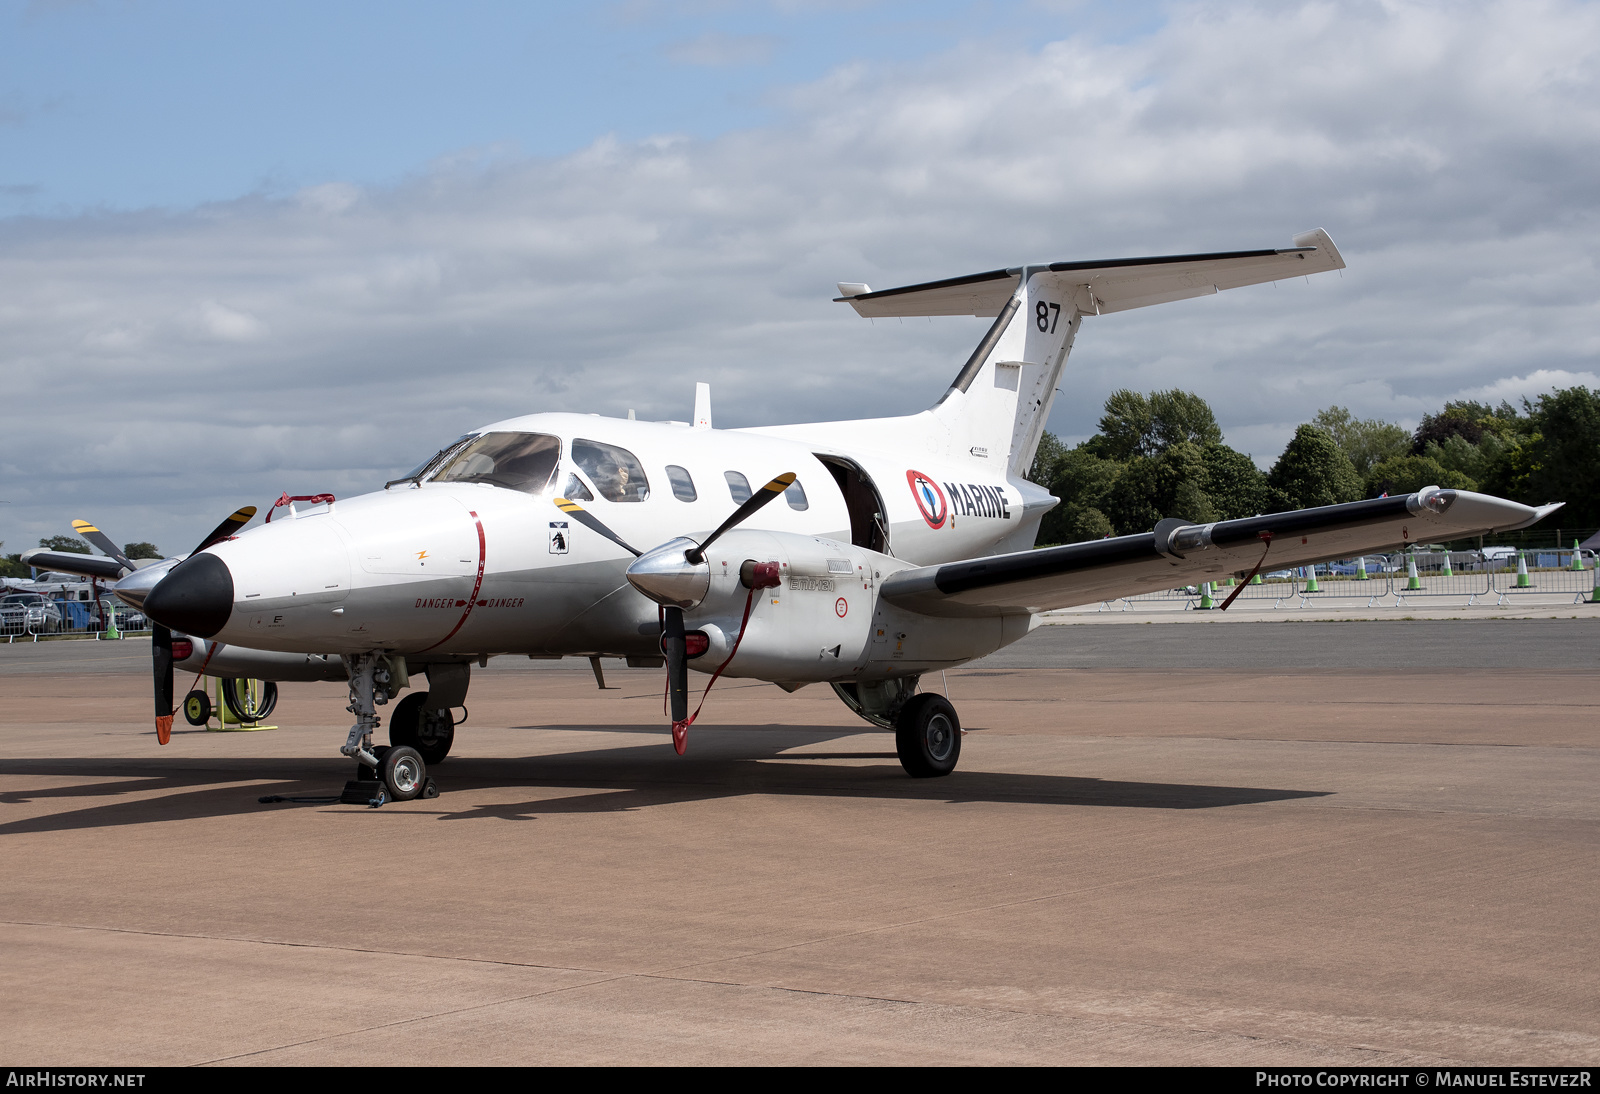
196,597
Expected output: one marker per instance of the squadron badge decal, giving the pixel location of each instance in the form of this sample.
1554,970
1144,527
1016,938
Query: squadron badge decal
930,499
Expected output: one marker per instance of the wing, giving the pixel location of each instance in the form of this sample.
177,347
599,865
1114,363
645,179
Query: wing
1105,285
1179,553
68,562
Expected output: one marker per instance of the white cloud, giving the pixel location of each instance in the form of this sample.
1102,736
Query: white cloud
325,341
1514,389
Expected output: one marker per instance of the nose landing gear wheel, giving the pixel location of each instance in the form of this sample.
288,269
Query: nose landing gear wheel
404,773
927,735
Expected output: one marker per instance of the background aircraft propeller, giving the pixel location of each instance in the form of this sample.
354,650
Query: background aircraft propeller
161,655
674,641
102,541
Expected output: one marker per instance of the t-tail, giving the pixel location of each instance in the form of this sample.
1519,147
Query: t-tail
997,406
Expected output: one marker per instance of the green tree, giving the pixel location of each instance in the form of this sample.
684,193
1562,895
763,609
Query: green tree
1564,455
1367,441
142,550
1234,483
1464,458
1408,474
1151,488
11,566
1312,471
1081,480
71,544
1139,425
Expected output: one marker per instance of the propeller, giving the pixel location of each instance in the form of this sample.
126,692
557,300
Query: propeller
102,541
675,575
161,662
231,524
137,584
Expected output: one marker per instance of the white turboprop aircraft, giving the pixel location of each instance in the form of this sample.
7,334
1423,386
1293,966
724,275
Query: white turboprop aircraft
901,546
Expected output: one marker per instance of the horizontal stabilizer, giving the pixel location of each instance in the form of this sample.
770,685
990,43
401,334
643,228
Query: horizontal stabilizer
1105,285
1178,554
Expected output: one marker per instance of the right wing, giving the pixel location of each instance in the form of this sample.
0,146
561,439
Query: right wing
1178,553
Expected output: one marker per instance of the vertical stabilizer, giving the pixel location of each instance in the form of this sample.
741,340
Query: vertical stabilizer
997,405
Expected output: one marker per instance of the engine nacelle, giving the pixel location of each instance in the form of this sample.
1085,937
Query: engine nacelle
825,621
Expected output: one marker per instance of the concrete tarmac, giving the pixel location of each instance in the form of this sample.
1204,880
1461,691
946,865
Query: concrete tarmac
1369,843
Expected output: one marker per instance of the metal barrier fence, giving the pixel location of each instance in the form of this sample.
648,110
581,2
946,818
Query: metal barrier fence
1390,581
23,617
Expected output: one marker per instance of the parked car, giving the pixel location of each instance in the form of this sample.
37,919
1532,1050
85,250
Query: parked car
29,613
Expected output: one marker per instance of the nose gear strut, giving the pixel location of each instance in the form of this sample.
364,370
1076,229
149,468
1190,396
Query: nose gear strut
383,774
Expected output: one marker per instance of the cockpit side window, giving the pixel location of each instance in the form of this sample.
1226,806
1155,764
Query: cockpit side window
517,461
738,486
615,472
575,490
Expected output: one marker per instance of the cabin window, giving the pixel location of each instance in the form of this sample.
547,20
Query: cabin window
615,472
682,483
796,496
517,461
738,486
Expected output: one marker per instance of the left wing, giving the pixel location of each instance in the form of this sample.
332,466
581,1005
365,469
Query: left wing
1180,553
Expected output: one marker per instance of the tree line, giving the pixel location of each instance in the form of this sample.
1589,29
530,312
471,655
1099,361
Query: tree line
1162,455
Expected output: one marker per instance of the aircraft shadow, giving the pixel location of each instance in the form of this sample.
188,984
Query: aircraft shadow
721,763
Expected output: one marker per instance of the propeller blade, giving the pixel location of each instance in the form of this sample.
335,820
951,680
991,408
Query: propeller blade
744,512
673,645
102,541
237,520
161,659
592,522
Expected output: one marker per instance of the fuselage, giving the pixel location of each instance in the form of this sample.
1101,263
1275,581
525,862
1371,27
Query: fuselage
460,564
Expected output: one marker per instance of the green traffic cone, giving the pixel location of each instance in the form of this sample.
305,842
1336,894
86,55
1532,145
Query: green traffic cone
1594,597
1311,580
1413,583
1207,602
1255,579
1577,557
1522,572
1447,571
1361,568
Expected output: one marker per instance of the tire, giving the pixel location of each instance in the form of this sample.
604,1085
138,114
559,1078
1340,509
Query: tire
404,773
411,726
197,708
236,697
927,735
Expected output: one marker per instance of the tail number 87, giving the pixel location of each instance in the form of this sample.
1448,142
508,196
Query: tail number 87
1046,316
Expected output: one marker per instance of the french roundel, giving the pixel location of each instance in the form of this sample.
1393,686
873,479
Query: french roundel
930,499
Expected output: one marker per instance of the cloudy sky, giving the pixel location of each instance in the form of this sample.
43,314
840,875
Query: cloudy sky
252,247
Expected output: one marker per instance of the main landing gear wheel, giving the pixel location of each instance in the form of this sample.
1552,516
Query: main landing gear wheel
404,773
927,734
197,708
430,732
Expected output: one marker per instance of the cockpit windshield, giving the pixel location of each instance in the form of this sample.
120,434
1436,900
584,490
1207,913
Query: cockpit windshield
518,461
